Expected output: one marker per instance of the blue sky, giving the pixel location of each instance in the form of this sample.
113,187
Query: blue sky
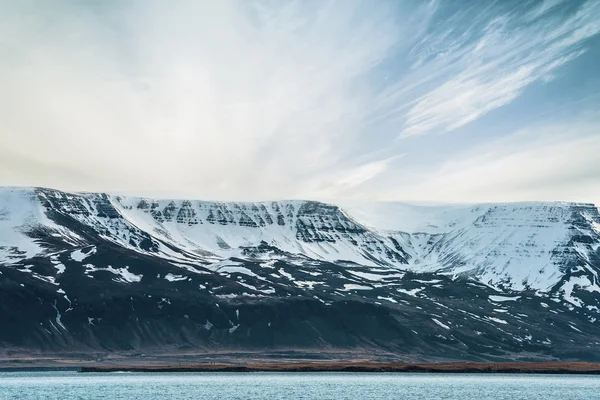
443,101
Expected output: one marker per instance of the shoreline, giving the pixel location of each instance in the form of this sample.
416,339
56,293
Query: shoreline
551,367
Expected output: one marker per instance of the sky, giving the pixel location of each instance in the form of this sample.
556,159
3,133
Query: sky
417,100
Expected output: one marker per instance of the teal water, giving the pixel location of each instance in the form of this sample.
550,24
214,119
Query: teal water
258,385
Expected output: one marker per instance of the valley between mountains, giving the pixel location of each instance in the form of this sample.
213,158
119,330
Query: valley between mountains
98,274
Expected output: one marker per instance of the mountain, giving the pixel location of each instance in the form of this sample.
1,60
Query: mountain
92,273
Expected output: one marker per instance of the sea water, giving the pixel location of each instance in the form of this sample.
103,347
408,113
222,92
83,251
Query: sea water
295,385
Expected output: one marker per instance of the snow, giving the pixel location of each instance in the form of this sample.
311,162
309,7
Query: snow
49,279
58,317
307,284
498,320
506,245
190,268
283,273
19,213
387,299
22,212
405,217
227,296
174,278
69,300
90,268
503,298
312,273
375,277
225,239
433,281
229,269
246,285
582,282
60,268
268,264
79,255
511,243
124,275
412,292
351,286
440,324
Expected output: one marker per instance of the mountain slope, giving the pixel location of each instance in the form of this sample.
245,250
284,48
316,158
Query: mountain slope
95,272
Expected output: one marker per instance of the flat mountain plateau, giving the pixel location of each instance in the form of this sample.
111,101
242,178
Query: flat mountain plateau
114,279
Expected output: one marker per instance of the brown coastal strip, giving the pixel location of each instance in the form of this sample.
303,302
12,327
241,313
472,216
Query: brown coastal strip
446,367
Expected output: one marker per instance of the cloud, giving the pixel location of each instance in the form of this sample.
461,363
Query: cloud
348,182
256,99
491,66
223,98
551,161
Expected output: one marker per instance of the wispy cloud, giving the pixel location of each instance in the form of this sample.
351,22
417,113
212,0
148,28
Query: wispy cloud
475,70
555,160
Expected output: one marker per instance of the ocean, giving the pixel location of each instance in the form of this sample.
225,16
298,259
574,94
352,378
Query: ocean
312,385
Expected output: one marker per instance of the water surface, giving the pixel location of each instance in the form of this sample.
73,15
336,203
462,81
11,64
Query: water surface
310,385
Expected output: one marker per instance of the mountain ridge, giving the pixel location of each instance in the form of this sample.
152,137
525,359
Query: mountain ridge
76,254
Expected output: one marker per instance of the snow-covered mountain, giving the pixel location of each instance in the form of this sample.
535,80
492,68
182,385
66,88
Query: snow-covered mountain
516,245
447,272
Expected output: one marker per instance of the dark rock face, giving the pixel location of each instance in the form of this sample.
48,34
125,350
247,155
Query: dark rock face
96,273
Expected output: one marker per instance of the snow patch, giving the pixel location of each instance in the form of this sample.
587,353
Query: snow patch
124,275
283,273
577,281
440,324
387,299
351,286
174,278
375,277
498,320
306,284
229,269
60,268
79,255
504,298
411,292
